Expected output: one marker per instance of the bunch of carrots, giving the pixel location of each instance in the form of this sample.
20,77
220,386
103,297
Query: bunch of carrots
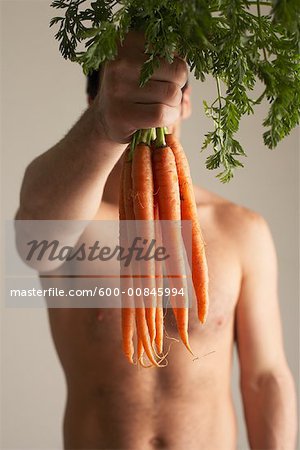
156,186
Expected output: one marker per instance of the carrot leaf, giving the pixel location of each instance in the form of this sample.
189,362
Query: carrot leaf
238,42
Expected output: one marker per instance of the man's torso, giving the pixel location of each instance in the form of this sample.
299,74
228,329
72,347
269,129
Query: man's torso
186,405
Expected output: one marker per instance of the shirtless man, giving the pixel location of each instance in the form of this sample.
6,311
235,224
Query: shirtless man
187,405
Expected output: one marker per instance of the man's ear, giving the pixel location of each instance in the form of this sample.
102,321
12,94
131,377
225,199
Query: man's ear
186,104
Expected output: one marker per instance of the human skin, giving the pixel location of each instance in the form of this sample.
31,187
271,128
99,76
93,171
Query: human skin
188,404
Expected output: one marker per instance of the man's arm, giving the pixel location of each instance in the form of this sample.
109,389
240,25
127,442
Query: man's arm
67,181
266,382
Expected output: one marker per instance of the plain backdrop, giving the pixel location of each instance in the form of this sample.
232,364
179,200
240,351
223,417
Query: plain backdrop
41,97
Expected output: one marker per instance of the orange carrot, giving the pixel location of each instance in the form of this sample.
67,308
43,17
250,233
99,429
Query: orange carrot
140,355
128,314
167,191
159,318
141,323
142,183
197,260
140,350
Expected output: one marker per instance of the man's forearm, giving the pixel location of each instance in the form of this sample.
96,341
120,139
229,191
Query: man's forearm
270,409
67,181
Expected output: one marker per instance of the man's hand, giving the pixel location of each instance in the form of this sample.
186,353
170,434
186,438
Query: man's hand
67,181
123,106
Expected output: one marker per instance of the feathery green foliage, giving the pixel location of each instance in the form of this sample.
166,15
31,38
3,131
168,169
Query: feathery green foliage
232,40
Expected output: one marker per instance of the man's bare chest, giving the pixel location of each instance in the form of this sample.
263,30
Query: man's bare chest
223,266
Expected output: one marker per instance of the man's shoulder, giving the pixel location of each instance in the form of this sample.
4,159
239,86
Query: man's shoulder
237,220
246,231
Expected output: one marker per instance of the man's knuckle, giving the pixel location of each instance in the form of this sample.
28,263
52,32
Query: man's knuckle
111,69
116,70
160,114
180,71
116,84
173,93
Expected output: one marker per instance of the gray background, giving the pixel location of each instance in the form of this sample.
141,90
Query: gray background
41,97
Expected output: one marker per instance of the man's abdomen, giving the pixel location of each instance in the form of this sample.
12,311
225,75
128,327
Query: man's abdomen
117,420
114,405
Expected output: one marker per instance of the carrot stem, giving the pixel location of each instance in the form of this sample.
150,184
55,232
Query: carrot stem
160,138
144,137
153,134
134,141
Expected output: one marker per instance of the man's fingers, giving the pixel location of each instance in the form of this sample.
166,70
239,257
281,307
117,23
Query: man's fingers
124,106
152,115
177,72
134,40
131,64
164,92
133,48
153,92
